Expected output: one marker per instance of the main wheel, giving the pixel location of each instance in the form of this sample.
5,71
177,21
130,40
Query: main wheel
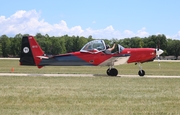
112,72
141,72
108,72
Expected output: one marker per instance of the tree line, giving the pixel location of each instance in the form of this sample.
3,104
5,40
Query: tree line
11,46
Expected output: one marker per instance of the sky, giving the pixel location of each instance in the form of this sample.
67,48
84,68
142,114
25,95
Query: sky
105,19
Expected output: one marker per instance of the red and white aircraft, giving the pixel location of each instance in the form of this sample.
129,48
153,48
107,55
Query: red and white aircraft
91,54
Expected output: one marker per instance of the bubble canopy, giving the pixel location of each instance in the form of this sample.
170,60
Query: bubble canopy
94,45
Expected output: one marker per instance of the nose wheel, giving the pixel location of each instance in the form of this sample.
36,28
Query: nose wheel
141,71
112,72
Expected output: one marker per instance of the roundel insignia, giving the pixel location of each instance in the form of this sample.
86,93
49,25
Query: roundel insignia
25,49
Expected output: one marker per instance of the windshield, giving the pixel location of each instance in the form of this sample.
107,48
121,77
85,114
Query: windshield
121,48
95,44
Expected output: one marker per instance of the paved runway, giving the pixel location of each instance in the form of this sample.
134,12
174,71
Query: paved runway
81,75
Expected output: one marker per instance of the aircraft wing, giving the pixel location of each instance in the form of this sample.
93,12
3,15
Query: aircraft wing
116,60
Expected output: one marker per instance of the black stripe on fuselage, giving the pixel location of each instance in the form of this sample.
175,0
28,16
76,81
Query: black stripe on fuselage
64,60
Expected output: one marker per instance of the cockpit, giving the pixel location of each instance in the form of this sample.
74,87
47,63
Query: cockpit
97,46
94,45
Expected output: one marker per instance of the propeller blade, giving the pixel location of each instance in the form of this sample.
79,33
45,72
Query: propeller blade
158,53
158,45
159,61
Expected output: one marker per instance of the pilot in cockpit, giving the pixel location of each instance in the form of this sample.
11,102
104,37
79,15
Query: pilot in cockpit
109,49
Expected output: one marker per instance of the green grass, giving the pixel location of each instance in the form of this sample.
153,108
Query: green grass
100,95
89,95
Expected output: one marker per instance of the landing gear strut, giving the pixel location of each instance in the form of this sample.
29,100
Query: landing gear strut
141,71
112,72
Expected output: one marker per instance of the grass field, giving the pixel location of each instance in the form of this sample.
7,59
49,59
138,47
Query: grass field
99,95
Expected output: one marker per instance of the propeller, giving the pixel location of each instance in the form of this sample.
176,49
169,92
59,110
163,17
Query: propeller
158,52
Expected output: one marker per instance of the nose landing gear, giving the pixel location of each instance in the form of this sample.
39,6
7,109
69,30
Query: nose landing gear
141,71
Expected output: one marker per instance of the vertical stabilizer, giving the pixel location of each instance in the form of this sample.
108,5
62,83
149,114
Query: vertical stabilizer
30,51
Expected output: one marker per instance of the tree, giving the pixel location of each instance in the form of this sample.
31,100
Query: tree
15,47
39,35
76,44
136,42
126,42
68,43
47,46
150,41
5,45
156,41
161,41
62,46
173,48
56,46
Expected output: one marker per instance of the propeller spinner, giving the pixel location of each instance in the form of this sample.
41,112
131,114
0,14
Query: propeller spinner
159,52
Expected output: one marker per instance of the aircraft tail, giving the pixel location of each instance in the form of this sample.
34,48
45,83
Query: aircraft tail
30,52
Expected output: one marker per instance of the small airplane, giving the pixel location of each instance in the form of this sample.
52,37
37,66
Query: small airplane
92,54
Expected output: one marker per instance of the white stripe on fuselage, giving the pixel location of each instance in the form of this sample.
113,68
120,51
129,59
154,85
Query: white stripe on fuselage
115,61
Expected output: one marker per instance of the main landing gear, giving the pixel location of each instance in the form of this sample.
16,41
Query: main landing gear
112,72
